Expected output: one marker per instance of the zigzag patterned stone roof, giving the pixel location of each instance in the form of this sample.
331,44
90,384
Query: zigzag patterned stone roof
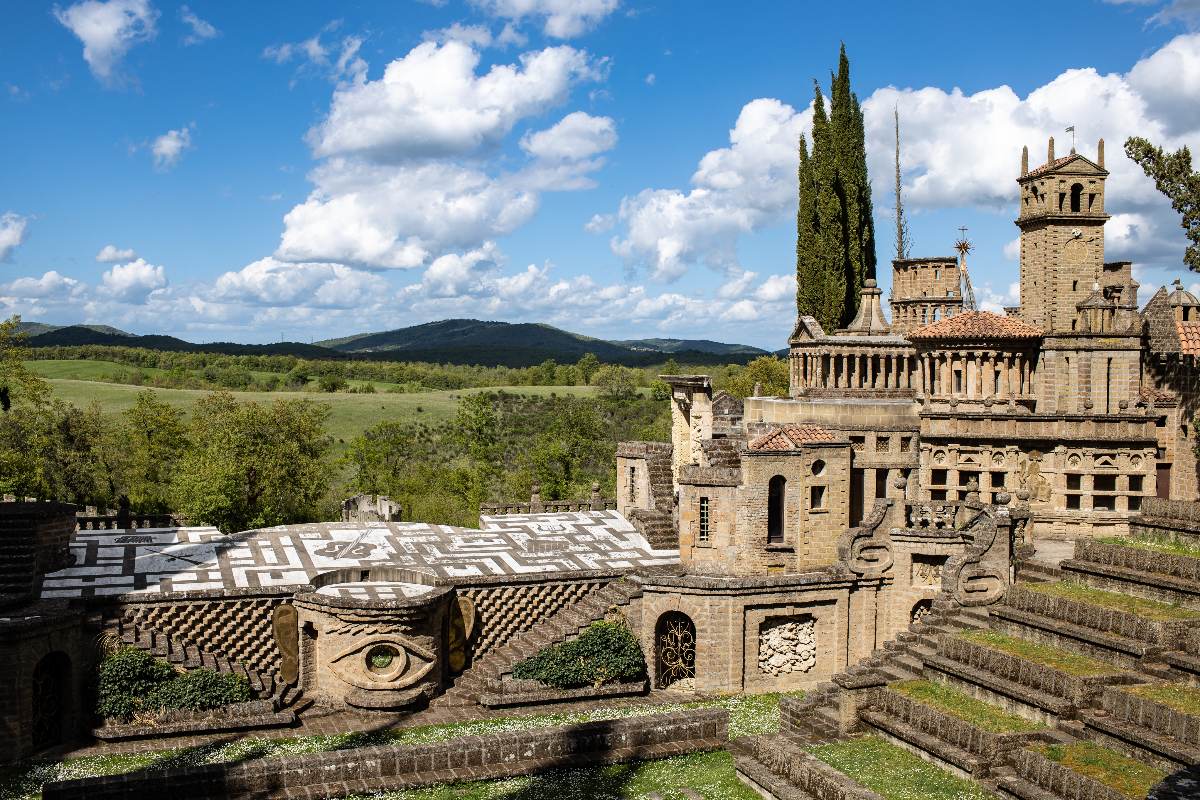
977,325
203,559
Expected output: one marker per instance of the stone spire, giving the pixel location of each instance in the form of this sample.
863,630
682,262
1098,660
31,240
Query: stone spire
870,320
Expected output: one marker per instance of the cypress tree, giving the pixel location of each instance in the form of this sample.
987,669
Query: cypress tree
842,253
808,278
830,240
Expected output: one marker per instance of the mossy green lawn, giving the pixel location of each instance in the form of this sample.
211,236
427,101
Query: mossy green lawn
1150,609
1157,544
984,716
1070,663
748,715
1128,776
894,773
1175,695
711,775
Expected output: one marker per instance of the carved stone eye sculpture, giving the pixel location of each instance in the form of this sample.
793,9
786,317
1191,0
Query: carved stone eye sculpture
383,662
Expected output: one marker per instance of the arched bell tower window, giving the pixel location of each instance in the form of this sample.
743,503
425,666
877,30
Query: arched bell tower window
776,490
1076,196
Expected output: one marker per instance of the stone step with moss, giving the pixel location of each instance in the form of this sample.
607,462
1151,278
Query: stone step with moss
948,725
985,716
1155,722
1033,679
894,773
1081,769
1145,572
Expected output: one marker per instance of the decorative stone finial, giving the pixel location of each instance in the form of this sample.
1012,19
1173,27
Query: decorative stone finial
1100,154
1001,498
1050,151
758,389
1025,160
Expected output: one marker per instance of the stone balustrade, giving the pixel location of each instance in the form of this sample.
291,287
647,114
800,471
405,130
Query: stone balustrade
537,505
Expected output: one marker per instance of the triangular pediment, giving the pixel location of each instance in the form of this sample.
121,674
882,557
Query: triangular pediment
1073,164
807,329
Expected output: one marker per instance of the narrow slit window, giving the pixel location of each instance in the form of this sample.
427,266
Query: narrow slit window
704,521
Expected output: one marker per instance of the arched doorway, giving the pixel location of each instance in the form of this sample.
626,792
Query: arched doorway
51,694
776,490
674,649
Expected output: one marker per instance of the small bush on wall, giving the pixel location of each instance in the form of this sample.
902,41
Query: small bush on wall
606,652
133,681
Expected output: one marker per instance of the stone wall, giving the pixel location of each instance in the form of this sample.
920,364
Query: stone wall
35,539
395,767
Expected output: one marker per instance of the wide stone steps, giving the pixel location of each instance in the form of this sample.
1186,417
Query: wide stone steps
1067,635
973,765
1138,583
565,624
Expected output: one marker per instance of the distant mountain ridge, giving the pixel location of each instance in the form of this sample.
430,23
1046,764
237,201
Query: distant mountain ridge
455,341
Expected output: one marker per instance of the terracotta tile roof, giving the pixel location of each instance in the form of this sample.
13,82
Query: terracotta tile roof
1049,165
793,437
977,325
1189,337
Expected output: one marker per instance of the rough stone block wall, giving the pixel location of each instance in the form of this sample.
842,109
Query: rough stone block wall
384,767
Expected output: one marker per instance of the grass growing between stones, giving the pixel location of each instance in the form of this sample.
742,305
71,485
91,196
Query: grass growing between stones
1070,663
1174,695
711,775
1122,774
1150,609
748,715
984,716
894,773
1156,543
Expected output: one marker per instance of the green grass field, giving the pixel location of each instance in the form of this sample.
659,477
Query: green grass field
350,414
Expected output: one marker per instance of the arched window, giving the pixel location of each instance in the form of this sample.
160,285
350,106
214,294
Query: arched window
776,490
1076,195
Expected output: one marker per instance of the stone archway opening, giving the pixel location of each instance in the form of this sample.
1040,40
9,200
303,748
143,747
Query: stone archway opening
51,693
675,651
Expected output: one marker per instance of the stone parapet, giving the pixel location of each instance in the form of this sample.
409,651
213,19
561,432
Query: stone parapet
398,767
1057,779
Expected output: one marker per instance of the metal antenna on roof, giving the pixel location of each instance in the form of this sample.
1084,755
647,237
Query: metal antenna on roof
963,246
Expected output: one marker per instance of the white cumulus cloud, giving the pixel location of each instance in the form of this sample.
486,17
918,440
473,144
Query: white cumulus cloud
431,102
133,282
576,136
110,253
50,286
270,282
108,30
13,228
169,148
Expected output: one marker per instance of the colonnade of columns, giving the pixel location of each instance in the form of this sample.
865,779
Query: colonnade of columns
976,374
852,369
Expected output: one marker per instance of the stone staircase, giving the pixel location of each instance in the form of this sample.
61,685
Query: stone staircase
189,657
1096,661
567,623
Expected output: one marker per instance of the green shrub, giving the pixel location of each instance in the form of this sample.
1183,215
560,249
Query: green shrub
132,680
200,690
607,652
127,677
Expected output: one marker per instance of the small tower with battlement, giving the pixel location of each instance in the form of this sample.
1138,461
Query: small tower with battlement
1062,237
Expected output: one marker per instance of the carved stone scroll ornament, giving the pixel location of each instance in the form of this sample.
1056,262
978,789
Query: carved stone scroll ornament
971,578
285,622
867,549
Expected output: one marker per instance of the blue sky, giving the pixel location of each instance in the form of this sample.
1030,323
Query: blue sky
622,169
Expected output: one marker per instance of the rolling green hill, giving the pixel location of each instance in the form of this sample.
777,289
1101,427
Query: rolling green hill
453,341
